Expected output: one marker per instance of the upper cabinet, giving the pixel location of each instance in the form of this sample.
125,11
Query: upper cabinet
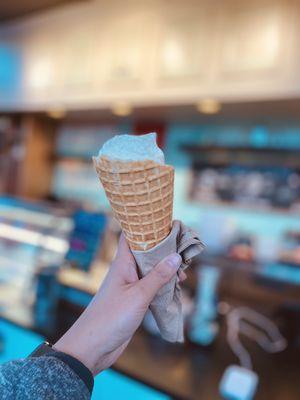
229,50
156,52
126,36
184,47
255,48
252,38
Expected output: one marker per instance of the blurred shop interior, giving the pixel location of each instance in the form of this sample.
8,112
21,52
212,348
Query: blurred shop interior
219,83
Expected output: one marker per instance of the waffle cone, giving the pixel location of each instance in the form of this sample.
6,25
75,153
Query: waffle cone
141,196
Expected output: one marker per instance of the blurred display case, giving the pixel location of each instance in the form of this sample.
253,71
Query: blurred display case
254,167
245,176
44,249
31,237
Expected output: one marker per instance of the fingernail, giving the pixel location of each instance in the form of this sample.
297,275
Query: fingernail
174,260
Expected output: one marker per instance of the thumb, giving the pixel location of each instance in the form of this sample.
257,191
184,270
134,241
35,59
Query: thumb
159,275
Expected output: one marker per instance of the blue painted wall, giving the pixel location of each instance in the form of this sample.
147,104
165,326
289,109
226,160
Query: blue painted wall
10,69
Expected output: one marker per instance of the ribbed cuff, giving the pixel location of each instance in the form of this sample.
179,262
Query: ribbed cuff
77,366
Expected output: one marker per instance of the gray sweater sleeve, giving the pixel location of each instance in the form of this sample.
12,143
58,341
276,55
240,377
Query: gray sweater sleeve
39,379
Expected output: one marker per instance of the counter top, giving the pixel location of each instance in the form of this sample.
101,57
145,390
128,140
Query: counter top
190,372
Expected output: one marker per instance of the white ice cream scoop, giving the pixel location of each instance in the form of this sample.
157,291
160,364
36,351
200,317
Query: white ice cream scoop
133,148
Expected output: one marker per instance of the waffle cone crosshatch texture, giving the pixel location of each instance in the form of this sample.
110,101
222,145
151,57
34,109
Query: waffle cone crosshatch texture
141,196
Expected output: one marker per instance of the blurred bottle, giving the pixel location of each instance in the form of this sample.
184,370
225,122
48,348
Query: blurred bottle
259,136
267,248
217,232
204,327
47,294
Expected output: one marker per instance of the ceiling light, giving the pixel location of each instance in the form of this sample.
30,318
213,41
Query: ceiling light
208,106
57,113
121,109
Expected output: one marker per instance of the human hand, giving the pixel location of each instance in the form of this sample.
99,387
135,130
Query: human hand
105,328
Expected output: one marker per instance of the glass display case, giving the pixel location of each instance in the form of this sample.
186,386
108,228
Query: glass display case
32,236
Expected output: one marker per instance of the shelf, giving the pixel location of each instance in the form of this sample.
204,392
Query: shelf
248,149
257,269
246,208
252,156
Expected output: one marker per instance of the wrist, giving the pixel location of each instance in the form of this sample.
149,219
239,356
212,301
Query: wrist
65,346
80,369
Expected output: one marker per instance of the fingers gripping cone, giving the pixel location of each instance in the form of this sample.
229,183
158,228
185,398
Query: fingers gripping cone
141,196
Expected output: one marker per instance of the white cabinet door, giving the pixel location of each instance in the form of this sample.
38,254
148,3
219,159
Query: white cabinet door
255,47
185,45
78,58
126,50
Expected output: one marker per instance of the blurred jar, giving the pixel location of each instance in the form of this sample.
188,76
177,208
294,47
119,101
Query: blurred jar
204,327
47,294
217,232
267,248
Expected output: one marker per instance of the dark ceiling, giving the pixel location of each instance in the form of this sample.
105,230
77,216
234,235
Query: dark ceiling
11,9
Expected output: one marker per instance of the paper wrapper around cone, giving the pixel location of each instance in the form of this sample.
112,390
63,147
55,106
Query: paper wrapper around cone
141,196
